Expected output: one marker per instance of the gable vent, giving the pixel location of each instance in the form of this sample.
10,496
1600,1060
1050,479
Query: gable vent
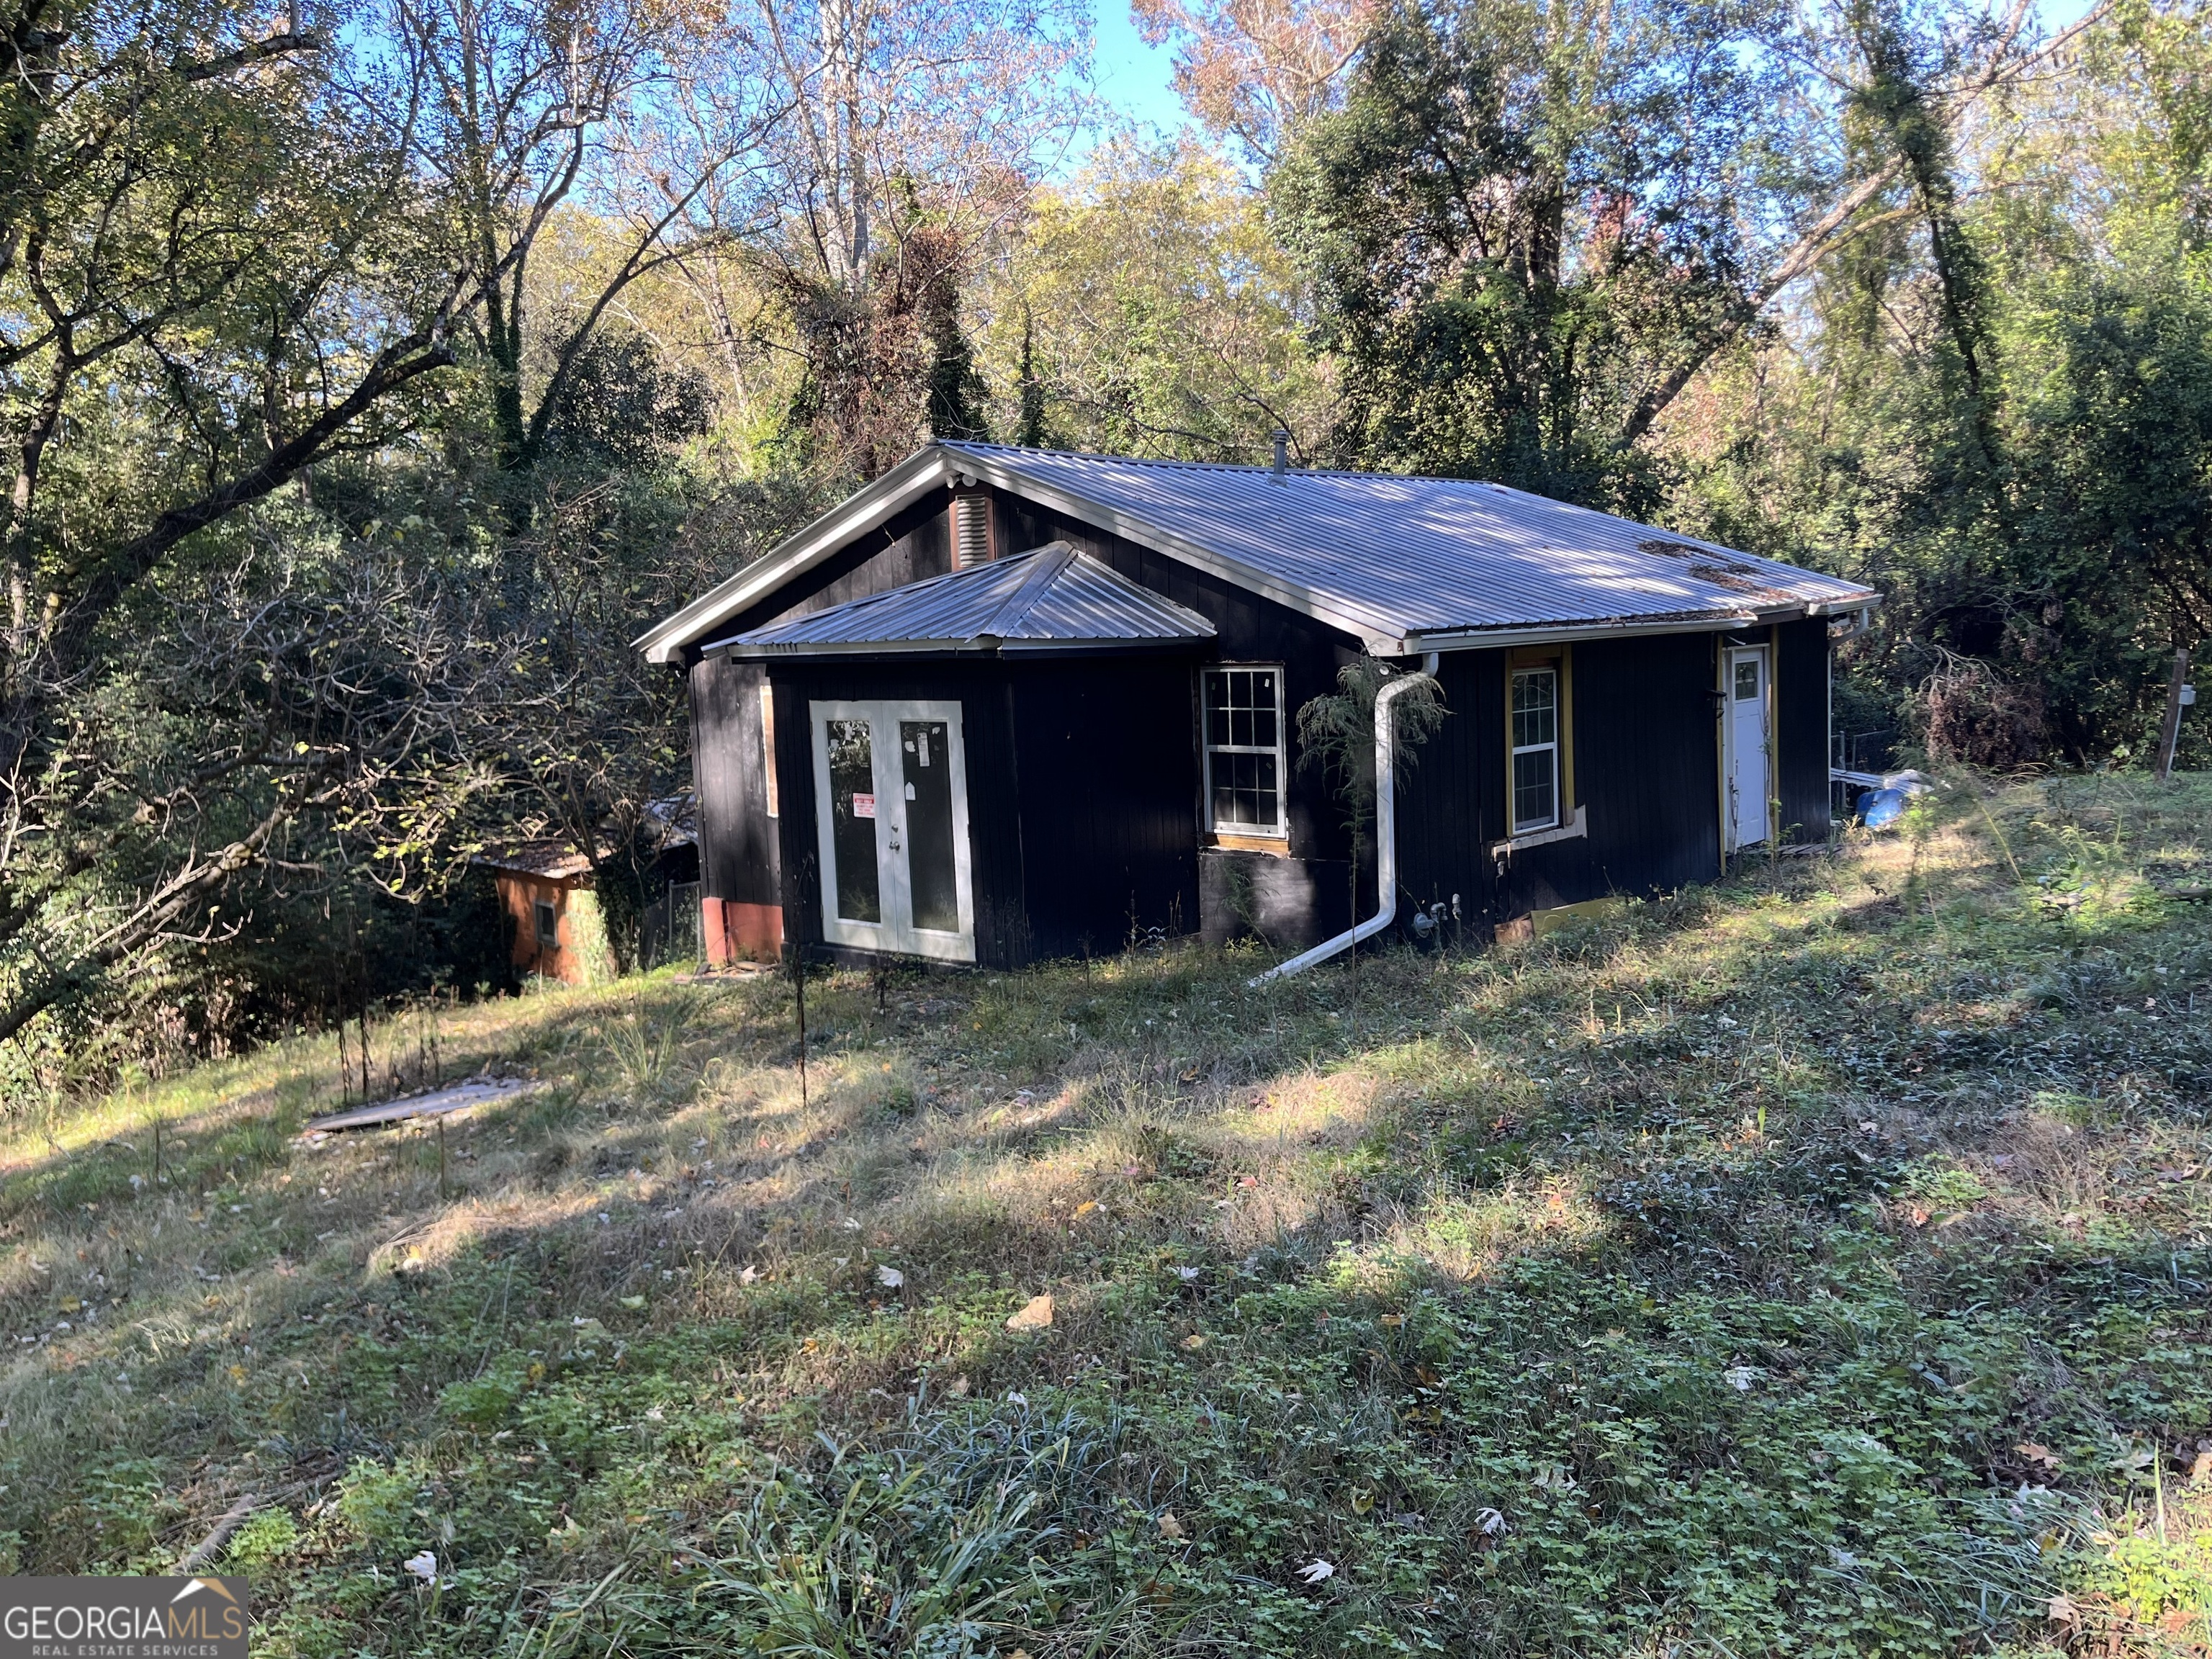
971,530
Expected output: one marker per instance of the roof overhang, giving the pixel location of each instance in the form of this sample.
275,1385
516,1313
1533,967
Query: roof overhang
927,469
945,465
983,645
1622,628
938,466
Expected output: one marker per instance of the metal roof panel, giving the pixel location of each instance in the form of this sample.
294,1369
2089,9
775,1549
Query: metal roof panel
1051,596
1424,556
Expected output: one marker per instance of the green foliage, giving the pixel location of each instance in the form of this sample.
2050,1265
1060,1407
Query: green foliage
1147,310
1524,218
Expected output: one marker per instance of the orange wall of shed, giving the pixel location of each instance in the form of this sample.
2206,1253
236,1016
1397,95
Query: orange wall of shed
519,894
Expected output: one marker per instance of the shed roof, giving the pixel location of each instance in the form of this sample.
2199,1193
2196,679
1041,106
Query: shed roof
549,861
1052,598
1404,563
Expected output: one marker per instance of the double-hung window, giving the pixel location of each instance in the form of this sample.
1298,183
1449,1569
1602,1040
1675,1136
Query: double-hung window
1243,727
1533,722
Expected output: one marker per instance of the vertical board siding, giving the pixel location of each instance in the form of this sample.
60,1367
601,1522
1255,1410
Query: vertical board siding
739,857
1646,772
1647,762
1250,629
1107,751
1449,790
1800,685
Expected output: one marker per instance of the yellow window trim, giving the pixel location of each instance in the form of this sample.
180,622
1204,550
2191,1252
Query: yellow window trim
1277,845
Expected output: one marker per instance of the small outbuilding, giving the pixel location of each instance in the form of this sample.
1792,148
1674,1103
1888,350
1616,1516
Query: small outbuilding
1007,703
545,894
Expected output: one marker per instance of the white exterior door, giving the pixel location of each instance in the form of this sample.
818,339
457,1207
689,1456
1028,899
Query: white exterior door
1747,740
891,805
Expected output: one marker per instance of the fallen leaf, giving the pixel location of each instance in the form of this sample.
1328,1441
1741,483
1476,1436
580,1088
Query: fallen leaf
70,1304
959,1389
1086,1207
1916,1216
1363,1500
631,1301
1170,1527
2202,1468
890,1278
1391,1321
1193,1342
423,1566
2041,1456
1314,1572
1035,1316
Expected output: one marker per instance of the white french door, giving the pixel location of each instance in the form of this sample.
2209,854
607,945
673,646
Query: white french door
890,806
1749,745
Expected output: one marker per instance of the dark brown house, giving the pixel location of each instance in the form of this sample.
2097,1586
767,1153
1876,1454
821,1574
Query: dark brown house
1008,703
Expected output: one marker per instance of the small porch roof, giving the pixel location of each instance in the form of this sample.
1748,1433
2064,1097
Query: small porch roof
1053,599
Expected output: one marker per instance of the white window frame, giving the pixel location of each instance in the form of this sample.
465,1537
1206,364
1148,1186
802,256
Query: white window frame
1515,749
1281,828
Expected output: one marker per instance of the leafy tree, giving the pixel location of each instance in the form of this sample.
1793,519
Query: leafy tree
1531,225
1522,216
1146,309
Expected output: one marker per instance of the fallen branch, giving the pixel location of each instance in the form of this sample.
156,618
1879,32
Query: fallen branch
233,1518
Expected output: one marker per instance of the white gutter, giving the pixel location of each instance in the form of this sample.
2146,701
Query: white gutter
1386,839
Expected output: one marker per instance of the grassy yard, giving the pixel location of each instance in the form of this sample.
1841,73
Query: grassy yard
1817,1263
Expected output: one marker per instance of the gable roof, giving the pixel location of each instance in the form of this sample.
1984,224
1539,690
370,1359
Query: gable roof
1053,599
1405,564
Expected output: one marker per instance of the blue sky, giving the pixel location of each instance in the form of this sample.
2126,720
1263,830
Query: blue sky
1137,81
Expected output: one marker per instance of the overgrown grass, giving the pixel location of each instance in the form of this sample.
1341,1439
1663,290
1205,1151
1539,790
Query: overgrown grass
1814,1264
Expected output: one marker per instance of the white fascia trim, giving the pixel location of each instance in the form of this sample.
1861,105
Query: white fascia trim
1495,639
855,516
1377,634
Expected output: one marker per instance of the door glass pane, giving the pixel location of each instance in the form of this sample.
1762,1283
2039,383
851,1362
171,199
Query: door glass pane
852,821
933,870
1746,679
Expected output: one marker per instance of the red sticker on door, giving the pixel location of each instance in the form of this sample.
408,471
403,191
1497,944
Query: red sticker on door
864,807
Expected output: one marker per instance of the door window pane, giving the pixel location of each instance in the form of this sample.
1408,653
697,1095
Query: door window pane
852,821
1244,724
933,864
1746,679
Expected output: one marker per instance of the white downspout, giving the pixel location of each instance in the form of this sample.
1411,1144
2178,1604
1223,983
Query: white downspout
1386,839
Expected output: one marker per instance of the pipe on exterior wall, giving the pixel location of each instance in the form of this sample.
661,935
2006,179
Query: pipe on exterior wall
1386,840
